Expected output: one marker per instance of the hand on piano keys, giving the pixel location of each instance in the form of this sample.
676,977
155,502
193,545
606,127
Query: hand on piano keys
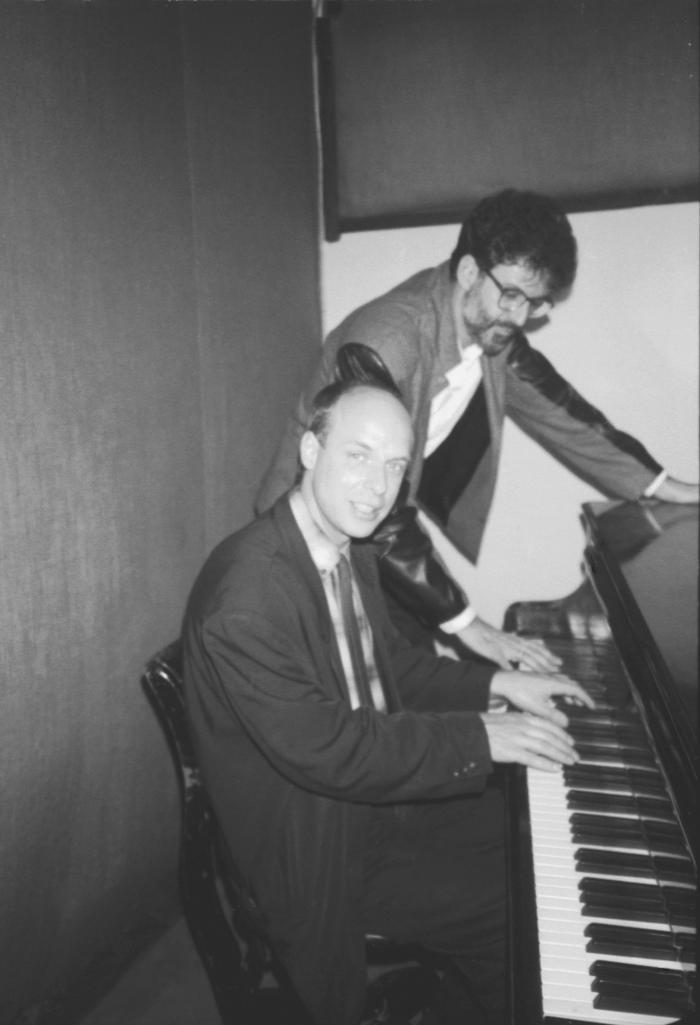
508,650
541,694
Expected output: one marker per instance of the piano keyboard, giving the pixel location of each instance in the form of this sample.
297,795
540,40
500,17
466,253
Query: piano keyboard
614,883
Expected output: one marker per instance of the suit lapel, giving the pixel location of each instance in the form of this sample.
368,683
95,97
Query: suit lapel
494,379
311,594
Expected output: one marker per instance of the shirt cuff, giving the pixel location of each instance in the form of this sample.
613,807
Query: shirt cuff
655,484
459,622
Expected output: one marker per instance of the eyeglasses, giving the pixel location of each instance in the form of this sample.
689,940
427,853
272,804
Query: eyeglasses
512,299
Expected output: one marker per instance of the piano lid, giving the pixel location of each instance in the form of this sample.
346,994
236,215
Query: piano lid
643,558
656,547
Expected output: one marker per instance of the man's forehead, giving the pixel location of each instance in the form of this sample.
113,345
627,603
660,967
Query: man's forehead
521,275
369,415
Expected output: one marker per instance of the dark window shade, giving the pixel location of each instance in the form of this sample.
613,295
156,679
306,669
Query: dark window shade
427,106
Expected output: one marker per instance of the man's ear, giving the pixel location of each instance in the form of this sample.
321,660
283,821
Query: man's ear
467,272
308,449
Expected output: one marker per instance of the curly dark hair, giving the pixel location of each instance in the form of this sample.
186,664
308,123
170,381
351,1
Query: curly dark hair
514,226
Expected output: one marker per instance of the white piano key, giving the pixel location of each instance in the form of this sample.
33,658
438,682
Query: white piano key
566,1008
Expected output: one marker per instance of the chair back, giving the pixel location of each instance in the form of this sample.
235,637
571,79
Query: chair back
221,914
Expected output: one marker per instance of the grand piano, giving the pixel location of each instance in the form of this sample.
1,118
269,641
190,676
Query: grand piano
603,855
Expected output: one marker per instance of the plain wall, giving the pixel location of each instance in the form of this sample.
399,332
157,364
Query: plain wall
146,320
627,338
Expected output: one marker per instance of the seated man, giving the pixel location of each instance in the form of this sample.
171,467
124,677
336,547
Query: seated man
347,768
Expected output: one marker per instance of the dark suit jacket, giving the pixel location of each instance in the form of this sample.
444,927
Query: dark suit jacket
291,768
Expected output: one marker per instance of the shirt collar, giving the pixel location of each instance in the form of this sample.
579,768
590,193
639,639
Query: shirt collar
324,553
470,356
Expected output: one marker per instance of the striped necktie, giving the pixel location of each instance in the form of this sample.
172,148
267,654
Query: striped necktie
352,632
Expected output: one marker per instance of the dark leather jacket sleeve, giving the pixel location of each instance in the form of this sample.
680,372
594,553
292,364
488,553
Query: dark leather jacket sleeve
609,458
411,570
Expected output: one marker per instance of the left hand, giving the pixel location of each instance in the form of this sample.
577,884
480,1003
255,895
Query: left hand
507,649
533,692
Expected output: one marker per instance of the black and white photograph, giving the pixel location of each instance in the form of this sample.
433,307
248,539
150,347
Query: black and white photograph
349,461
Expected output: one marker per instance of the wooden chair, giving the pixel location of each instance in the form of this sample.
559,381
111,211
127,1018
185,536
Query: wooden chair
248,984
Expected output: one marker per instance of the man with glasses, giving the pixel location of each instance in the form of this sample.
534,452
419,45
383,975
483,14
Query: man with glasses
452,338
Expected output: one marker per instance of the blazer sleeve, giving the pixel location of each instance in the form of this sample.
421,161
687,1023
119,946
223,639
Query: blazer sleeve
552,412
269,682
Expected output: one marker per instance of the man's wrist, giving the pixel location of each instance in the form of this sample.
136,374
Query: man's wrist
499,684
459,622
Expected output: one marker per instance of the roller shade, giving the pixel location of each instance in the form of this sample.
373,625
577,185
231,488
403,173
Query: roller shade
428,105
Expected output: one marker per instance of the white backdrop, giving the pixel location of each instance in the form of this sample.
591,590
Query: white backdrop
627,339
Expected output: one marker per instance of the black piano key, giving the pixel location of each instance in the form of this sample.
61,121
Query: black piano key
657,845
592,884
653,807
634,842
609,733
611,825
681,912
614,747
581,715
589,754
609,716
682,917
649,999
637,902
675,904
630,739
624,914
611,997
648,775
667,980
626,941
681,902
625,898
632,942
644,783
586,836
607,730
640,866
623,907
602,721
626,905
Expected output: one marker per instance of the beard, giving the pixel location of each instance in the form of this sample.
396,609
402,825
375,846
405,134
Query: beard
494,338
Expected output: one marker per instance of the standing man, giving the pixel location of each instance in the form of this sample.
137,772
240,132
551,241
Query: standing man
346,767
452,338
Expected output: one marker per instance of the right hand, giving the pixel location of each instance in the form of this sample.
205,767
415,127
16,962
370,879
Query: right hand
529,740
507,649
